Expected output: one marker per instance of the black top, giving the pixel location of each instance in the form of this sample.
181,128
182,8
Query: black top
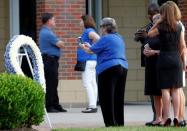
169,60
143,41
151,87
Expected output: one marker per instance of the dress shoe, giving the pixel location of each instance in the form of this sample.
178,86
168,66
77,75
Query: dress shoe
90,110
60,108
153,123
182,123
51,110
156,123
149,123
166,123
175,122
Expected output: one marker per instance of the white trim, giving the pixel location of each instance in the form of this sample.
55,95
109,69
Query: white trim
14,17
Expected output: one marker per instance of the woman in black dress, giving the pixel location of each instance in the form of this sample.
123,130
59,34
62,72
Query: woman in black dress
151,52
149,60
169,64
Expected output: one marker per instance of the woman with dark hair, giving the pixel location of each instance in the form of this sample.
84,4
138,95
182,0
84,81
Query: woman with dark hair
151,52
112,69
170,64
90,36
150,59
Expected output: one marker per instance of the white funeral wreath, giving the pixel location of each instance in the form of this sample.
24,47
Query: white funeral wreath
12,57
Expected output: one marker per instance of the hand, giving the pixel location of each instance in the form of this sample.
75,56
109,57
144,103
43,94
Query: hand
82,46
149,52
185,68
141,34
157,22
185,63
86,47
146,52
87,44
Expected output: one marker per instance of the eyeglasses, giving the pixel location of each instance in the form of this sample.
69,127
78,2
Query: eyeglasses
102,26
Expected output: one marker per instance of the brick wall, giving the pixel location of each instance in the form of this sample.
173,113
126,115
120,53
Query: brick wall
67,14
183,7
4,30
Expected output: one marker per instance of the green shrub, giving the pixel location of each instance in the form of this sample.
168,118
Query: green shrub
21,102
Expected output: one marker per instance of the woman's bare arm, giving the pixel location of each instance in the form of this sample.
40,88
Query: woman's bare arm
94,36
183,50
86,48
154,30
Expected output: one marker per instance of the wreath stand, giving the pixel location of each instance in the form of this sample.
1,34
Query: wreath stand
20,56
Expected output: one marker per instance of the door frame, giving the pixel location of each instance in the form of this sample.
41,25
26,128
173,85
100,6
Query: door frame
14,17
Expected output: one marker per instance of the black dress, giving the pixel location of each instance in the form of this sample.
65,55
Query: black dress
169,61
151,87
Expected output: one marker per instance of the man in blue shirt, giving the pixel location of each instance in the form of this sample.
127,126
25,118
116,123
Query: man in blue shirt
50,46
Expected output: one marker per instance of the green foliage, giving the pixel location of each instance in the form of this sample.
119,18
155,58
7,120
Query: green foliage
21,102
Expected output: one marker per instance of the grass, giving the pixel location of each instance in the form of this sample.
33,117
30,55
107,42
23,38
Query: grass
126,128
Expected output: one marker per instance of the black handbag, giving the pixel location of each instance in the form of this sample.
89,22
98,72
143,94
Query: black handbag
80,66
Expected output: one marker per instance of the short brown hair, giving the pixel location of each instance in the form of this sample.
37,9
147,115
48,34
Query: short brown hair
88,21
46,16
109,24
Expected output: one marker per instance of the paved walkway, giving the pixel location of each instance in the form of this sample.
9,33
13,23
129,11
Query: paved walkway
134,115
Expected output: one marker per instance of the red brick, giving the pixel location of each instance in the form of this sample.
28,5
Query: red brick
67,13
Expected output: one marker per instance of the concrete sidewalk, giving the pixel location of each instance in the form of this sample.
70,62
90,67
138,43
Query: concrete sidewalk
134,115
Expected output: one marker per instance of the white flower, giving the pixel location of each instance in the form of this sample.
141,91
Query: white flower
12,57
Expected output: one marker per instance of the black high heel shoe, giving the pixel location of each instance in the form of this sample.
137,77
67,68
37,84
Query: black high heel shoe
167,123
182,123
156,123
175,122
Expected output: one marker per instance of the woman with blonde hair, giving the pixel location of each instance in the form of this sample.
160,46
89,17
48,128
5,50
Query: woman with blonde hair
170,64
182,121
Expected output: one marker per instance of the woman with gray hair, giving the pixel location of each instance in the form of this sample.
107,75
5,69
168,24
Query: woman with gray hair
112,69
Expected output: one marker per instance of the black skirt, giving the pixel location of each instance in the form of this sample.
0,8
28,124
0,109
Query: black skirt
169,70
151,87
